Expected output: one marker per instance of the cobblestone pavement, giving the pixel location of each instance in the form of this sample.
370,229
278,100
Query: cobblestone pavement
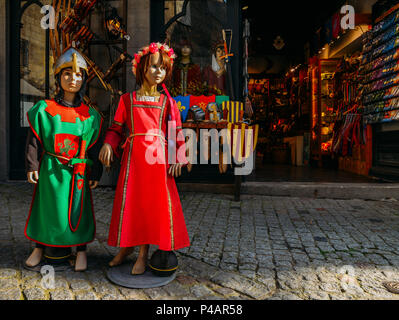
259,248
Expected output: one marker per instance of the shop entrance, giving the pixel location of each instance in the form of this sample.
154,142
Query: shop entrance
324,94
309,129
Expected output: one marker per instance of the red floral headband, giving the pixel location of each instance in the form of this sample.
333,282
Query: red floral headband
152,48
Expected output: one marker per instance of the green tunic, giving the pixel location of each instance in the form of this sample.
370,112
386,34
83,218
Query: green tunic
54,218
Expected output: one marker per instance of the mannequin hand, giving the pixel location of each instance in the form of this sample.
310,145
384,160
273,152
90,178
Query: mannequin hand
93,184
33,177
106,155
175,169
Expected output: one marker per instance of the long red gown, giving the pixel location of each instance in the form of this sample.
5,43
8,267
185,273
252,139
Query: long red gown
147,208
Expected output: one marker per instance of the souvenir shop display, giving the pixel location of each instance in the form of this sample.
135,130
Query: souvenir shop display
73,29
262,93
323,111
215,111
220,112
220,99
214,75
341,129
246,38
348,129
280,121
380,68
186,78
139,218
66,130
196,114
380,93
202,101
209,48
114,26
235,110
183,103
259,95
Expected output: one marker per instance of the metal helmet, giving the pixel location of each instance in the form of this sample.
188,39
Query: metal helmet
70,59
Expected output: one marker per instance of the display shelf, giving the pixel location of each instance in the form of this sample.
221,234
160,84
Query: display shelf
382,95
380,69
379,63
383,72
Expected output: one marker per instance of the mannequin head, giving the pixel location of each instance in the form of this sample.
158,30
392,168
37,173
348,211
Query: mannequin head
185,47
71,82
219,51
153,69
156,71
70,72
186,51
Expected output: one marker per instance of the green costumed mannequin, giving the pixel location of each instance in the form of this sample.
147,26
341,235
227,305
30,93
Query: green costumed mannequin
66,130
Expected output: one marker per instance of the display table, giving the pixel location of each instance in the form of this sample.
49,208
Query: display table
208,172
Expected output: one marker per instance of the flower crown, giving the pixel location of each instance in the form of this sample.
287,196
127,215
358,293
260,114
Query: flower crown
152,48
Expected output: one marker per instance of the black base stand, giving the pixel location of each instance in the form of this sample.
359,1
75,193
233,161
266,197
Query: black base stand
121,275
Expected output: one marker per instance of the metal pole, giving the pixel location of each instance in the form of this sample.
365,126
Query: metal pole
246,35
47,86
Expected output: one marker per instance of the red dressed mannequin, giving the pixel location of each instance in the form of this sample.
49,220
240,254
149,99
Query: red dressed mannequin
186,75
147,208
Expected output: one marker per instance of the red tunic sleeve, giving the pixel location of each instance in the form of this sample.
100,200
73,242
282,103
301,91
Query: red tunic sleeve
115,134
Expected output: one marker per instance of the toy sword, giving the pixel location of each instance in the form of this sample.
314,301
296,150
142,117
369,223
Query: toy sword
226,57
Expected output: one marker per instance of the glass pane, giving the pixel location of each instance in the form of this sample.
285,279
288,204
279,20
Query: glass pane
198,41
32,60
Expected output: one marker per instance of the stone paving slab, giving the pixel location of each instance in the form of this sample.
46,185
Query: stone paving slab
323,190
262,247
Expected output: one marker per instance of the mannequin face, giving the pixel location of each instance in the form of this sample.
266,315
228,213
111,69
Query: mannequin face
156,73
186,51
219,53
71,81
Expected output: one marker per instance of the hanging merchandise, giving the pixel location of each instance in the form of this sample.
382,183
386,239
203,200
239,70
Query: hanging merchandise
346,135
348,128
235,110
227,56
183,103
246,34
201,101
380,68
72,30
114,26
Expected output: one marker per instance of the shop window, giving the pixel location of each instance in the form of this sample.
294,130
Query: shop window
24,53
197,38
172,8
32,60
